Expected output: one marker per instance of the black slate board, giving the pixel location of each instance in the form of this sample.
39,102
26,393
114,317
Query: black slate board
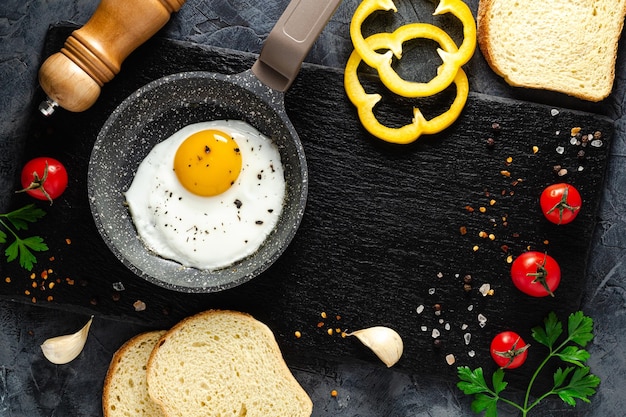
380,236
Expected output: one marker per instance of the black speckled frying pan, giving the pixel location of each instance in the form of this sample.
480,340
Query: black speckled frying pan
157,110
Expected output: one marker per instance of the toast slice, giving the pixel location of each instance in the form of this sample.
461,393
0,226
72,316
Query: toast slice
125,391
223,363
568,46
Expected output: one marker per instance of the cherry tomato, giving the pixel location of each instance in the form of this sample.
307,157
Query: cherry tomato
44,178
508,350
536,274
560,203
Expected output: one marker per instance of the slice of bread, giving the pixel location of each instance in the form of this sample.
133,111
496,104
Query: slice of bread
223,363
125,390
568,46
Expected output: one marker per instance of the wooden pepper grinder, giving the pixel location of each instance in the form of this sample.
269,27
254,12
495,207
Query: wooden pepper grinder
93,54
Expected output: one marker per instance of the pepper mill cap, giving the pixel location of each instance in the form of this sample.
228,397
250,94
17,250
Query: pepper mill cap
67,85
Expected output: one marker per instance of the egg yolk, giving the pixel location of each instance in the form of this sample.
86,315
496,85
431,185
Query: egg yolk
208,162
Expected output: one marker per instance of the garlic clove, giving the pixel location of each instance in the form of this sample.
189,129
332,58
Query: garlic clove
63,349
386,343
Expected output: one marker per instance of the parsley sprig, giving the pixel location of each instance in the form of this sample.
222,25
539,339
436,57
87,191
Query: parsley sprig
569,383
14,222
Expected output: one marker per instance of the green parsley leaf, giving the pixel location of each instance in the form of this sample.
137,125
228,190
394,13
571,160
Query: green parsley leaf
582,385
23,248
472,382
35,243
485,403
574,355
22,216
549,334
12,251
561,375
580,328
498,381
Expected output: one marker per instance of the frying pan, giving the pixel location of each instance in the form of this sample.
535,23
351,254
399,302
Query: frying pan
162,107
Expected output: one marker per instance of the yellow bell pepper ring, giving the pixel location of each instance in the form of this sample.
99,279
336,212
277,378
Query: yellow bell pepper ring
445,73
462,12
443,121
365,102
370,56
452,61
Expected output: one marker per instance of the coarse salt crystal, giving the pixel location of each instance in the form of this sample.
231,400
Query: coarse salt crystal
471,353
482,320
596,143
464,326
431,291
560,150
118,286
435,333
419,309
554,112
424,328
467,337
450,359
470,307
447,326
484,289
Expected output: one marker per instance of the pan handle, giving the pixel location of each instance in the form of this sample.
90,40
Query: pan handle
290,41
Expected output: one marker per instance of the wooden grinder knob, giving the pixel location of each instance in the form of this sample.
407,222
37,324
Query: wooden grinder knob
93,54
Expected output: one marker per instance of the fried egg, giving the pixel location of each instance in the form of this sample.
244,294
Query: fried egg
209,195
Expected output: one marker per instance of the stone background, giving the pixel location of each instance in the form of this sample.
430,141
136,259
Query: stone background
30,387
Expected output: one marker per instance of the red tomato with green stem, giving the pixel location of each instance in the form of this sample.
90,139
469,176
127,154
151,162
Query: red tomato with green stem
536,274
509,350
44,178
560,203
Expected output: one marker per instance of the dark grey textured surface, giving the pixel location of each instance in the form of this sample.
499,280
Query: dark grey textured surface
31,387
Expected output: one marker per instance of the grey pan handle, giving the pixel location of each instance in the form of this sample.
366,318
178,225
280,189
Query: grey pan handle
290,41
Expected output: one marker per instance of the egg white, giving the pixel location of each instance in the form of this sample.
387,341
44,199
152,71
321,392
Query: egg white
208,232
